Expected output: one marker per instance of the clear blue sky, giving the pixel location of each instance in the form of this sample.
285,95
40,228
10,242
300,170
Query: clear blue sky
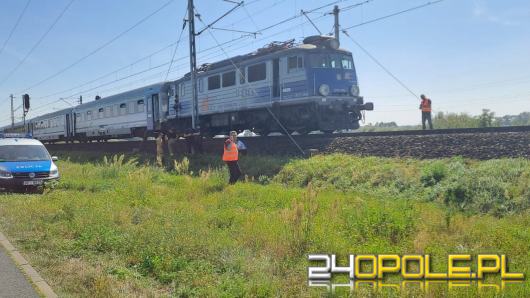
464,54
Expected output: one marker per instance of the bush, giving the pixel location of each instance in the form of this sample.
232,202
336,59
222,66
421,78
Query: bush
433,173
497,187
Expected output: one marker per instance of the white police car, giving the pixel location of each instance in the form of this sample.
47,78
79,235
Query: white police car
25,164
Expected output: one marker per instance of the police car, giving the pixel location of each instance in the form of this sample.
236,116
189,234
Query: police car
25,164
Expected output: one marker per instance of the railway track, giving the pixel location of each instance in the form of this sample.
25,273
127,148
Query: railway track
476,143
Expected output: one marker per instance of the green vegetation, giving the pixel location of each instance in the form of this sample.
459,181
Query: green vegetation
114,228
443,120
463,120
497,187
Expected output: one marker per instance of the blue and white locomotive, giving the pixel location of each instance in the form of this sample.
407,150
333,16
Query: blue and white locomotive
312,86
306,87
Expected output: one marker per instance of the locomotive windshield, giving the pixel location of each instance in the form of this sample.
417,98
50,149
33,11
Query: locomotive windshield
331,61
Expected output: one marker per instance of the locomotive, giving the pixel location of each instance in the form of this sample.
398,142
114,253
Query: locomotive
283,86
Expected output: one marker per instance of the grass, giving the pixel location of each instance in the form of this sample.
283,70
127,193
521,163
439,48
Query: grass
116,229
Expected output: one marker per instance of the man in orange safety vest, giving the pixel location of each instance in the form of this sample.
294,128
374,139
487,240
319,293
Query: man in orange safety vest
426,111
231,157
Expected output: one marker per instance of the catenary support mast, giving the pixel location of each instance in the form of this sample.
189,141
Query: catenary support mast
193,67
12,112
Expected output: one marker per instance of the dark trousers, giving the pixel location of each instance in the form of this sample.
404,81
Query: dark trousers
426,117
235,171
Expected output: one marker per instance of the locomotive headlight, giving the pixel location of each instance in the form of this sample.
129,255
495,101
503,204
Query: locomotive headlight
354,90
324,90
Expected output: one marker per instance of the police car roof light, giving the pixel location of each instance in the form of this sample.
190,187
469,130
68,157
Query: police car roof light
15,135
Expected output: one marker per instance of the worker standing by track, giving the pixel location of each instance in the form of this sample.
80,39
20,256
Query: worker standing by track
231,157
426,111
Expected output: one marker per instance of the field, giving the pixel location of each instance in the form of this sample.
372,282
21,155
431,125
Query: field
115,227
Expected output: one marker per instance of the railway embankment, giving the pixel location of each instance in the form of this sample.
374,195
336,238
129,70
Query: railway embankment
474,144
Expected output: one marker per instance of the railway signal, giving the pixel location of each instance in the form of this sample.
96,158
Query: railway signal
25,107
25,102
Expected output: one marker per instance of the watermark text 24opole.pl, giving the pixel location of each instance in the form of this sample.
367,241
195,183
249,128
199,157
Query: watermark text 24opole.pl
370,267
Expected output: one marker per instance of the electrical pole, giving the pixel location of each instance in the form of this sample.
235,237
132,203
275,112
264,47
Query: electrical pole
193,67
80,99
337,26
12,112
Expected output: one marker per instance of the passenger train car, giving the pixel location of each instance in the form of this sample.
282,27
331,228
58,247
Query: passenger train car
127,114
306,87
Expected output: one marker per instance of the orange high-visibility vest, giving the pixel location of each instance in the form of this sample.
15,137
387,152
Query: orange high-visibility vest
426,105
232,153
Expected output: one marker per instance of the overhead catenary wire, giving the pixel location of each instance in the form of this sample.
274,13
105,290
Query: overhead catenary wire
400,82
251,19
394,14
236,39
214,47
146,57
41,39
15,26
122,78
109,73
99,48
299,15
310,21
346,8
238,4
176,47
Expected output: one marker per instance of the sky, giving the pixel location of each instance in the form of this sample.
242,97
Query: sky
466,55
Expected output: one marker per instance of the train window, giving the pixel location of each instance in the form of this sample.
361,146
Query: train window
182,90
242,76
100,113
200,84
257,72
347,63
141,105
123,109
294,63
334,62
320,61
214,82
325,61
229,79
